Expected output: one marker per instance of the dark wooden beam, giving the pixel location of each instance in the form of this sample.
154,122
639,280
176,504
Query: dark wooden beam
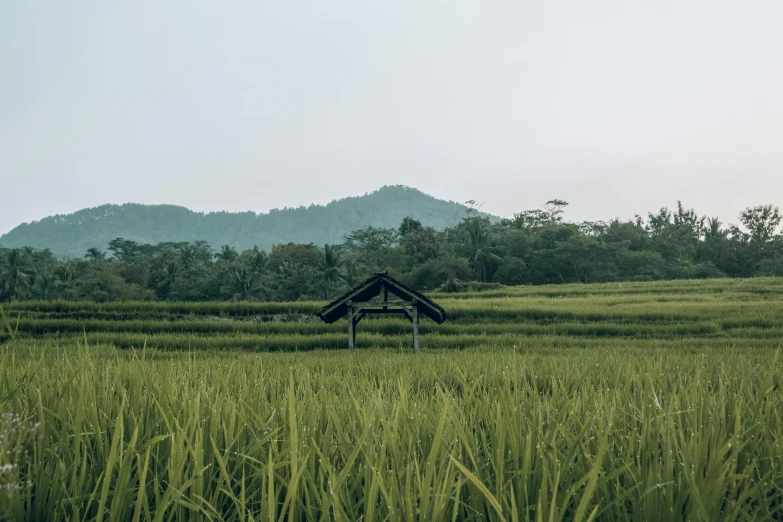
379,310
360,304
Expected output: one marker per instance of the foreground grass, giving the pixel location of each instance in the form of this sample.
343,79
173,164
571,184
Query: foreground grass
485,433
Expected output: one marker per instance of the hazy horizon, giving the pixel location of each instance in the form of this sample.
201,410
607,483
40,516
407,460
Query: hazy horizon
617,107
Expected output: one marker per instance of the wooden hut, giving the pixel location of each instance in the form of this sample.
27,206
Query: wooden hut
377,295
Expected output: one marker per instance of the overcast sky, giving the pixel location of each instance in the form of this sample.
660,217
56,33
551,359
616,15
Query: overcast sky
617,106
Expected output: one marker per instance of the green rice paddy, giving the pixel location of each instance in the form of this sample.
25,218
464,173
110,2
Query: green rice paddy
632,401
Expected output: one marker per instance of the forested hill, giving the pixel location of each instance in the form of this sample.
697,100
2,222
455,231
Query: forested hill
71,235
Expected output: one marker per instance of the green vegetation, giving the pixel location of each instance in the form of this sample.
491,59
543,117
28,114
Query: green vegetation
684,314
536,247
635,401
376,435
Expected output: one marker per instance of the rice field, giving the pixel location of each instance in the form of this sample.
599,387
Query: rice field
721,312
641,401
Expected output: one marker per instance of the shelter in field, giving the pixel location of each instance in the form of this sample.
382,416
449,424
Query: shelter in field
373,297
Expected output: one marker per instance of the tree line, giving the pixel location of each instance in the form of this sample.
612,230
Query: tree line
534,247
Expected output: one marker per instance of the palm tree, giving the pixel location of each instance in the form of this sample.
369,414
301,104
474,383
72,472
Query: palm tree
16,275
64,276
478,241
192,254
244,284
715,230
331,269
44,285
171,270
93,254
227,253
187,256
256,260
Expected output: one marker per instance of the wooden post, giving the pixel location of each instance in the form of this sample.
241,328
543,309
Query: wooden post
353,335
415,308
351,327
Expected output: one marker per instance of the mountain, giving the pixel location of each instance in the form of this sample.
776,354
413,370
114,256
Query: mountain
71,235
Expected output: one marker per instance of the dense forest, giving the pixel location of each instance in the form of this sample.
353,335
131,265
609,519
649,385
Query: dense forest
73,234
535,247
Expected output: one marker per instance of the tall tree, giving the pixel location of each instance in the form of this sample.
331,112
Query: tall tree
16,275
332,271
227,253
761,223
94,254
478,242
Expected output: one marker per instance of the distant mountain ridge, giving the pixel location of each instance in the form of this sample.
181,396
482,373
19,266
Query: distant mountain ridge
72,234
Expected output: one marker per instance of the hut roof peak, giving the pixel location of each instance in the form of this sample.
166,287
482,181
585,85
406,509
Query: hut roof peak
373,287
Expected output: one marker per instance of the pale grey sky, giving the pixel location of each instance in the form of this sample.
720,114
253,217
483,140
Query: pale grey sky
618,106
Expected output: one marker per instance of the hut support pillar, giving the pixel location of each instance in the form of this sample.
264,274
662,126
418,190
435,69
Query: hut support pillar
415,321
351,327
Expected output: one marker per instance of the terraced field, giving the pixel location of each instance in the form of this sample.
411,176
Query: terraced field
688,314
656,401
